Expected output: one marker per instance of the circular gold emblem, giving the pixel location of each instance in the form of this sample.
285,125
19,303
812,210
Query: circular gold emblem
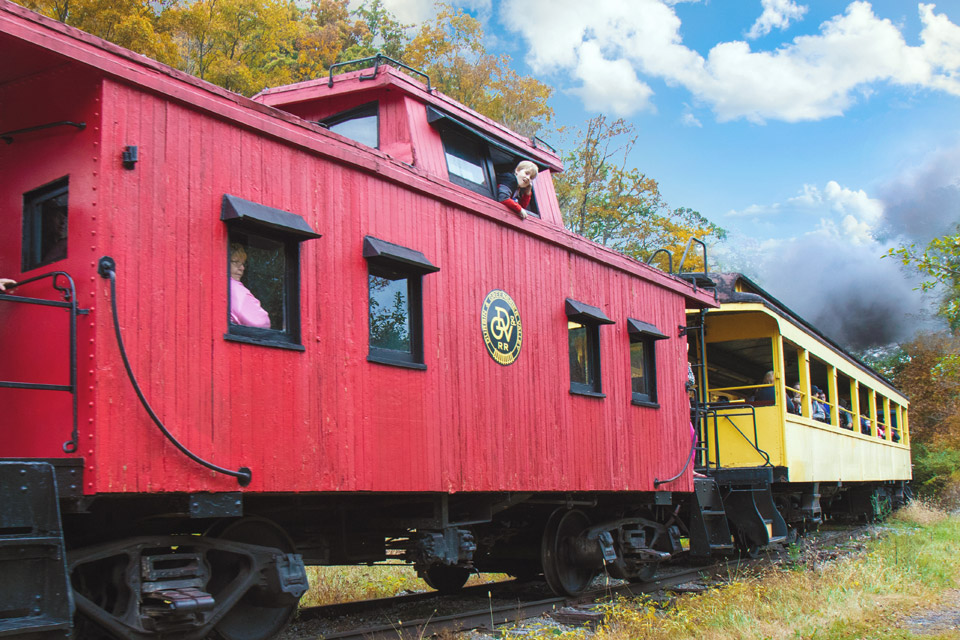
500,322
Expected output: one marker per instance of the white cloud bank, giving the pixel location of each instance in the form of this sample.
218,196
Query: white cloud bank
810,78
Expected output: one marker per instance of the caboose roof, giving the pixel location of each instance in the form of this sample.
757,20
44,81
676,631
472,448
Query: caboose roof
442,106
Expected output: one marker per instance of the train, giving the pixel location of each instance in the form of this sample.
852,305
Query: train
249,336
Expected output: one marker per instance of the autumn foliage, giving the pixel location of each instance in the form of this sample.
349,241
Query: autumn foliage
248,45
606,200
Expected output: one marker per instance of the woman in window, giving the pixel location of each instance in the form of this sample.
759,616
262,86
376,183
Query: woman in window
245,309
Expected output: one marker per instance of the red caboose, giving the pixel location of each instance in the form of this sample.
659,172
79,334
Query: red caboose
354,348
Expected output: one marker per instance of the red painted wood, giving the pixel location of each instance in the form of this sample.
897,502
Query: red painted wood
324,419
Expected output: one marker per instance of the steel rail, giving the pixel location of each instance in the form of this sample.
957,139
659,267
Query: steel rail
506,613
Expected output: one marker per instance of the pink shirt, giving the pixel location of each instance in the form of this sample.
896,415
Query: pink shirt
245,309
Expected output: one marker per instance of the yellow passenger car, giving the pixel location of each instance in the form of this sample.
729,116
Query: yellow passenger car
776,392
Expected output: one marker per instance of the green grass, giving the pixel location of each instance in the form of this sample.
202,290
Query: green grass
905,569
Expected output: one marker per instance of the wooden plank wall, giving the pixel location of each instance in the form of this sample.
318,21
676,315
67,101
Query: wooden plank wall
326,419
35,339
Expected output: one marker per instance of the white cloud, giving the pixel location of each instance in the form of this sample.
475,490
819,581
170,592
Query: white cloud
609,84
755,211
690,120
849,213
854,205
810,78
776,13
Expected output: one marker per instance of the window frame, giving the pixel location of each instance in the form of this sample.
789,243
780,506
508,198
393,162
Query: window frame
493,153
362,111
646,334
33,201
385,259
590,318
448,137
244,217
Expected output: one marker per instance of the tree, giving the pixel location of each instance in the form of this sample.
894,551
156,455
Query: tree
450,50
934,399
940,263
133,24
617,206
326,31
380,33
241,45
934,413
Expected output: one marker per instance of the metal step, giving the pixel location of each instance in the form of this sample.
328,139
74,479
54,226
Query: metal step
11,628
36,601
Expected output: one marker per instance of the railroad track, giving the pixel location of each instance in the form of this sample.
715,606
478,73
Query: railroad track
420,615
483,607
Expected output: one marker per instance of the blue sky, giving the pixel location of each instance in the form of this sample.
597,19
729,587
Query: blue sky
818,133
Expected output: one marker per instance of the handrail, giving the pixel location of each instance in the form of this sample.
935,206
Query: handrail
376,68
669,258
740,388
69,294
7,136
686,250
714,409
693,449
108,270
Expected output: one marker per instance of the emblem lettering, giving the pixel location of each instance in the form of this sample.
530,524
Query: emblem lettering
501,327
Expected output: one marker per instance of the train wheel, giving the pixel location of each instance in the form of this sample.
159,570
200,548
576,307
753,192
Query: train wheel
446,579
647,572
557,553
259,614
745,546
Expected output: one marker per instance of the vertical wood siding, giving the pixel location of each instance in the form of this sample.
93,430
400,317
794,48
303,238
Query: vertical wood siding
326,419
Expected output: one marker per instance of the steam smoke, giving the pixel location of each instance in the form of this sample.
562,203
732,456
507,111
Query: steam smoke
847,291
925,202
839,282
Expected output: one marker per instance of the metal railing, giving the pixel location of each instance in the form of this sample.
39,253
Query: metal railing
377,60
717,413
68,294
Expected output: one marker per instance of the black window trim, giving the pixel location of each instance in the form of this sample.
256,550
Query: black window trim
447,124
392,259
591,318
584,313
648,334
361,111
289,229
236,210
486,165
442,121
31,199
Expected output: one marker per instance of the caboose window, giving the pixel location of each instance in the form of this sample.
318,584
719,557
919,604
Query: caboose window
583,339
474,158
259,265
467,164
391,294
643,362
263,273
45,225
360,124
395,302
